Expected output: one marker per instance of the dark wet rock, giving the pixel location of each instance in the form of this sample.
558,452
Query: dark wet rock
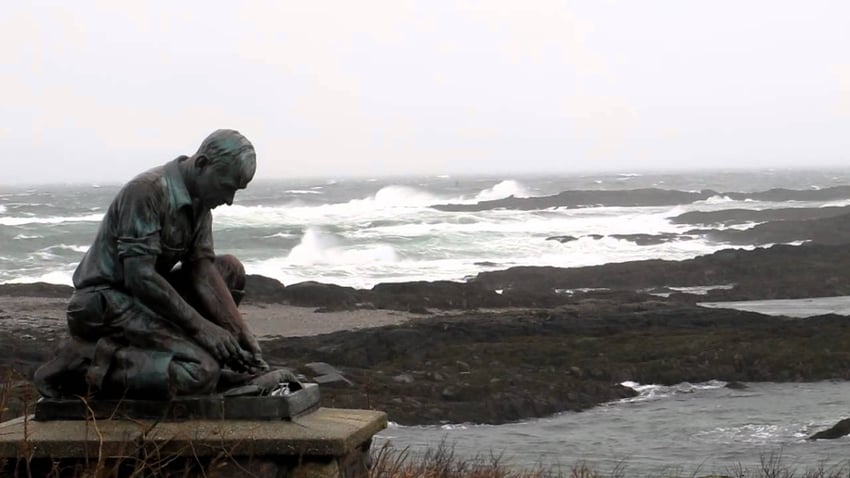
817,225
736,386
650,239
486,264
437,294
404,378
781,271
534,362
838,430
729,217
332,379
37,289
317,294
262,289
828,230
419,310
590,198
562,239
512,364
561,351
644,197
782,194
321,368
450,393
639,239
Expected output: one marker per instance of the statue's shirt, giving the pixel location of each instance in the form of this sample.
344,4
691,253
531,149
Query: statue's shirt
152,215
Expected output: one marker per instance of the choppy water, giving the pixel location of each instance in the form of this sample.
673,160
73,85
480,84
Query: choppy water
687,429
362,231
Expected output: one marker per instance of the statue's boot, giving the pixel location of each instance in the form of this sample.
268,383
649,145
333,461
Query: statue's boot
64,375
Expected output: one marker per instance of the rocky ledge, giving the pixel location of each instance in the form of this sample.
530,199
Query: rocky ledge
511,365
553,339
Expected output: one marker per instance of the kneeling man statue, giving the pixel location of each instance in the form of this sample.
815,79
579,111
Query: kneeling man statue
154,311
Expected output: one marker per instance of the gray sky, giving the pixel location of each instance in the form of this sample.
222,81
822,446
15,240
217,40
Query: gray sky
100,90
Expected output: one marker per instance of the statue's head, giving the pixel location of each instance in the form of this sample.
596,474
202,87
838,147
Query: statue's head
224,163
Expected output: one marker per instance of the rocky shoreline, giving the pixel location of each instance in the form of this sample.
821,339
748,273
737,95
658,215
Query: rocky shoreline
528,342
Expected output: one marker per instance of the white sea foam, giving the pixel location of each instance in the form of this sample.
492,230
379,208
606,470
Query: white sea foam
53,277
391,201
2,209
755,434
388,202
23,237
392,233
455,426
658,392
68,247
284,235
319,247
695,290
20,221
403,196
718,200
502,190
837,203
304,191
362,257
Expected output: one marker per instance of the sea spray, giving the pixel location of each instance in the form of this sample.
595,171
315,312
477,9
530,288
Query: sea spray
359,233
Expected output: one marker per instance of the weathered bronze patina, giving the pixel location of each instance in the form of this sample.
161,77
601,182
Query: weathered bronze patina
154,312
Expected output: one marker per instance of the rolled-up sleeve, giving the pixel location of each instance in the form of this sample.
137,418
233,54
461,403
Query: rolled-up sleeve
138,225
202,245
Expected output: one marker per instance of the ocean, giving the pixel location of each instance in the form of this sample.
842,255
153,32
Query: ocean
682,430
360,232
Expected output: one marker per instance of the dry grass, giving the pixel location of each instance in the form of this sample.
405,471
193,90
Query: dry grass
441,462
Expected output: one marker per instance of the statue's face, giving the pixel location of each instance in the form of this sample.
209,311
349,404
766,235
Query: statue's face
218,183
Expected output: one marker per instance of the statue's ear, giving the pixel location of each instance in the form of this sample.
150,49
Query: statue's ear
202,161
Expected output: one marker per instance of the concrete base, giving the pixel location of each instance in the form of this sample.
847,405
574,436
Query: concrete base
326,443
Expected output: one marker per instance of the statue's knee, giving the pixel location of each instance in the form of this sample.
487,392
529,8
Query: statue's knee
231,270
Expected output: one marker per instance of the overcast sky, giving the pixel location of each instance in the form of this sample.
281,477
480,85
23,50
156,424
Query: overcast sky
101,90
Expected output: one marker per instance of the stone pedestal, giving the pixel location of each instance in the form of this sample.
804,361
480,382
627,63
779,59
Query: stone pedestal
325,443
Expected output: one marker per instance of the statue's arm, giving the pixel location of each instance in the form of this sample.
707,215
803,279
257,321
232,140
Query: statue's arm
215,297
143,281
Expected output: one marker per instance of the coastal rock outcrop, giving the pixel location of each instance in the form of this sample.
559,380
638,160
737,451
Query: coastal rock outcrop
644,197
840,429
502,366
435,294
575,199
37,289
728,217
824,230
781,271
317,294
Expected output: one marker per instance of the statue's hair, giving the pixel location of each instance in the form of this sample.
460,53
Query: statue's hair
226,146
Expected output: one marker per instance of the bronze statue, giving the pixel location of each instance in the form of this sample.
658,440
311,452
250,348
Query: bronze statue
154,311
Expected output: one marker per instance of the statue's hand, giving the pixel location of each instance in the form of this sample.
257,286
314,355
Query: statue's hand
217,341
249,342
